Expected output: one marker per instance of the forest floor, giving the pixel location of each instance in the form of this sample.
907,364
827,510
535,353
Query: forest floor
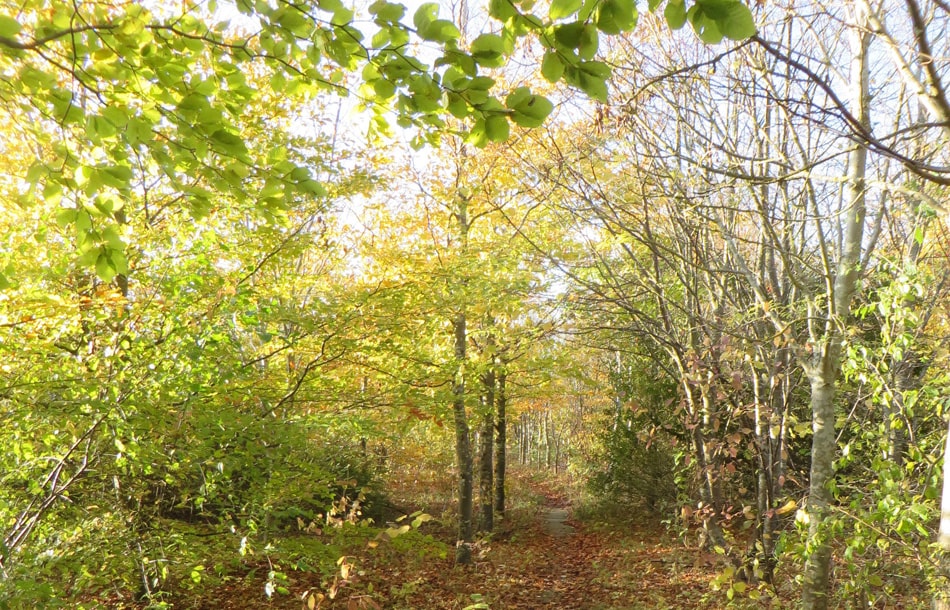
540,557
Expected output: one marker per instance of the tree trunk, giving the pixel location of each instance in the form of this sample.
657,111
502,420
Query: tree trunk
712,530
539,442
463,448
815,589
825,365
486,446
548,439
501,424
764,500
942,598
523,444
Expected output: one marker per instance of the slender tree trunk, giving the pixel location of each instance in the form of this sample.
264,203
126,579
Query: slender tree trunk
815,589
523,443
712,530
764,498
501,423
548,439
942,598
825,364
463,448
463,442
539,442
486,446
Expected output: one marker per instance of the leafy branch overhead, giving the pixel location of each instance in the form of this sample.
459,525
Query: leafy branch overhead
135,95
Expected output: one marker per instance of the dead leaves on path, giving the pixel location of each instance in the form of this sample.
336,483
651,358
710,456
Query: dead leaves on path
528,569
521,567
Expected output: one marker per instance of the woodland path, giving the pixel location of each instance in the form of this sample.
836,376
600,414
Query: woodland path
555,522
539,559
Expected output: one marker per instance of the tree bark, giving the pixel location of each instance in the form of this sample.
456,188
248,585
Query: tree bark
824,367
463,443
463,448
815,589
501,424
523,436
486,446
942,598
548,439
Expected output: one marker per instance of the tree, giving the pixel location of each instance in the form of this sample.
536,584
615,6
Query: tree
749,201
166,88
164,387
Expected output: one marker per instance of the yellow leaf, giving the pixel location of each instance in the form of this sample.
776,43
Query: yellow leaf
787,508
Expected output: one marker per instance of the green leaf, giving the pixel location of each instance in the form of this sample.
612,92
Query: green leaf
518,96
587,10
9,27
311,187
714,19
425,14
387,11
502,10
83,221
596,68
616,16
426,93
497,128
587,47
298,174
104,267
440,30
488,50
675,14
591,78
704,26
528,109
119,262
563,8
481,83
739,24
569,34
457,105
293,20
36,171
66,217
596,88
478,136
100,126
342,16
229,142
552,68
384,89
330,6
117,176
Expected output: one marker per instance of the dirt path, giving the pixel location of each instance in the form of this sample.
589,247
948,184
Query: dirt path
538,559
555,522
547,561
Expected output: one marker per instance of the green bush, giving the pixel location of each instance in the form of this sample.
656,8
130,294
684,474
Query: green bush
634,469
